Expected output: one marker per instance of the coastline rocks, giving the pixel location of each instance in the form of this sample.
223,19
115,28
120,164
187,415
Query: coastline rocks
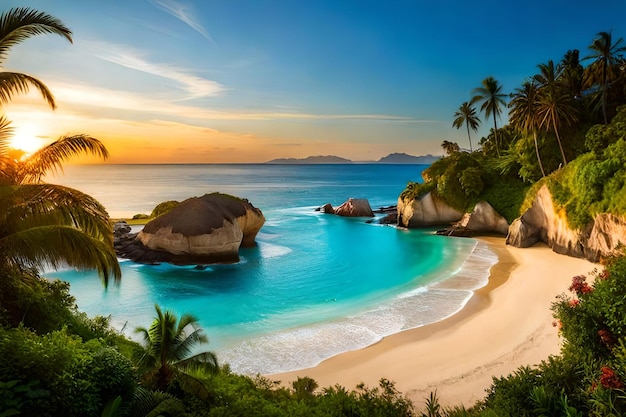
201,230
542,223
484,219
354,207
121,228
426,210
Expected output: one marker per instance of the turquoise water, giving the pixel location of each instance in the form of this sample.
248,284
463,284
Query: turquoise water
316,284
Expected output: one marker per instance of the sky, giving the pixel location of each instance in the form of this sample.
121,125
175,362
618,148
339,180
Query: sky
247,81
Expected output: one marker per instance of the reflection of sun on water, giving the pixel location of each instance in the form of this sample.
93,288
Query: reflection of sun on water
25,138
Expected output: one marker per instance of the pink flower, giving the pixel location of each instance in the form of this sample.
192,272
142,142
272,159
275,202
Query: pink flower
574,302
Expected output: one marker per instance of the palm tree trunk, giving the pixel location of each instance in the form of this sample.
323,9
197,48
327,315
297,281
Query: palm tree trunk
495,133
558,138
543,173
468,136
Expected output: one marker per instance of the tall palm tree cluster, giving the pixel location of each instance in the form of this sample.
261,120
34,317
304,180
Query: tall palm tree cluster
559,96
43,224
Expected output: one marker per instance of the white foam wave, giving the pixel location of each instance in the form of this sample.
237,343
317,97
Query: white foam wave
269,250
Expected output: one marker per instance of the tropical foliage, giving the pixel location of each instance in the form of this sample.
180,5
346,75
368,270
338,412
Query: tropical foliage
169,348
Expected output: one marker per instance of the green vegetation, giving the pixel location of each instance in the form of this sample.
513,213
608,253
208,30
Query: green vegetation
558,115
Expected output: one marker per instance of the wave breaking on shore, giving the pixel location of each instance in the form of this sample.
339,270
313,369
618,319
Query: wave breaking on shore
307,346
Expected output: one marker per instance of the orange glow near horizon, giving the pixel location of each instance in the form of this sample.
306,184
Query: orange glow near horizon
25,139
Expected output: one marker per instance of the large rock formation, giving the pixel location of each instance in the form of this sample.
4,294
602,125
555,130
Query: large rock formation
482,219
425,211
543,223
201,230
355,207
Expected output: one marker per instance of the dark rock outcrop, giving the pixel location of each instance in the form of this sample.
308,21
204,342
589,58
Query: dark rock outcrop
121,228
201,230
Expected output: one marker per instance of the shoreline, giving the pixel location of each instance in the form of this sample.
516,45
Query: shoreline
506,324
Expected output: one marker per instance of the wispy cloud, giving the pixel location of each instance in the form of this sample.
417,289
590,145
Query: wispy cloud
89,100
182,12
193,85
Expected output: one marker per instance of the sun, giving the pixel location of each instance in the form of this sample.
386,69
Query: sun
25,139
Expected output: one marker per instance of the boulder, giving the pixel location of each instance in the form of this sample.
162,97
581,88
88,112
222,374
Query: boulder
355,207
484,219
425,211
121,228
327,208
201,230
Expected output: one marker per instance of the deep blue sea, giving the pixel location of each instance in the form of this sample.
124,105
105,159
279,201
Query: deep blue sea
315,286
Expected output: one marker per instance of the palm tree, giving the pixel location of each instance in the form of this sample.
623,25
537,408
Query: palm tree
169,346
450,147
605,68
554,108
466,114
16,25
45,225
492,99
572,75
549,76
523,113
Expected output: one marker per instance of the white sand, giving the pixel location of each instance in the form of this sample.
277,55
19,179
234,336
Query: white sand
505,325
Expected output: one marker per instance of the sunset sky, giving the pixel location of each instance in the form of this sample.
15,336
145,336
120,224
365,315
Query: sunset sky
169,81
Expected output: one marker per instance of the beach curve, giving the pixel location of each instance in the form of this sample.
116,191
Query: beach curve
506,324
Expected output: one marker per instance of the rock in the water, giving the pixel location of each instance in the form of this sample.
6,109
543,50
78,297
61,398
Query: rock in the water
355,207
121,228
425,211
201,230
327,208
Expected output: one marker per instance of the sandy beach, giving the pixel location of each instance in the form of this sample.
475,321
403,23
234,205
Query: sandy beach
506,324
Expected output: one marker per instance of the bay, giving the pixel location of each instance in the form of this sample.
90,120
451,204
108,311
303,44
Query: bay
315,285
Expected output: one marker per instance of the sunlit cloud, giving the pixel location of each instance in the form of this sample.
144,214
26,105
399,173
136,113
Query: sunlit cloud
124,56
182,12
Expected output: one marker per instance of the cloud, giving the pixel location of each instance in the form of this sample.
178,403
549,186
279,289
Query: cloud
89,101
124,56
182,13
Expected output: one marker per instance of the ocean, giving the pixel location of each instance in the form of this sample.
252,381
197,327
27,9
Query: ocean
315,285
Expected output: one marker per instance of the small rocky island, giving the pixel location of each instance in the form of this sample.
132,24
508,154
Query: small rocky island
199,231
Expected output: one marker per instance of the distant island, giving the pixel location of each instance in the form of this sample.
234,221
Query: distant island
394,158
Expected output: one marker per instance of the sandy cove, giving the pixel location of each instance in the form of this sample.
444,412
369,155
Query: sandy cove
505,325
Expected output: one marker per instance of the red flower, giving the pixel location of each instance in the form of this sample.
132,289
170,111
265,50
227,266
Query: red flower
579,285
608,379
574,302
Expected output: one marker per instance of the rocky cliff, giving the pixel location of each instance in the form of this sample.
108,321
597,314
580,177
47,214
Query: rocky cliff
542,222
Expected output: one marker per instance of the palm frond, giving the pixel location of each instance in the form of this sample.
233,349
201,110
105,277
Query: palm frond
25,206
59,246
50,158
206,361
6,133
13,83
187,343
19,24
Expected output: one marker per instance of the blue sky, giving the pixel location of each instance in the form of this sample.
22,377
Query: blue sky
252,80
